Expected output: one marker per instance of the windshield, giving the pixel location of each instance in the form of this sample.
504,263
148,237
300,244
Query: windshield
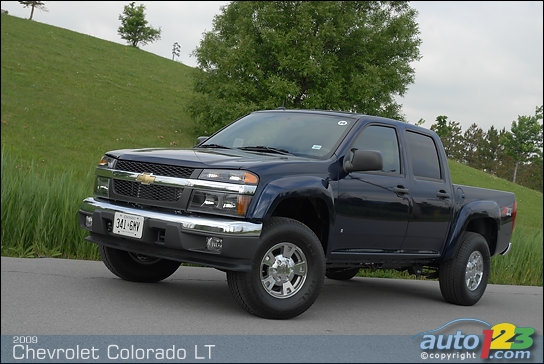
283,132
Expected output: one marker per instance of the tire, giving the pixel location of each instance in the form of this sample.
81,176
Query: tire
287,274
463,279
341,274
137,267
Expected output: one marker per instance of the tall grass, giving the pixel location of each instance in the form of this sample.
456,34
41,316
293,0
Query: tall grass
523,263
39,213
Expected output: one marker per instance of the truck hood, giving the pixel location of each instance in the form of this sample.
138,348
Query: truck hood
202,158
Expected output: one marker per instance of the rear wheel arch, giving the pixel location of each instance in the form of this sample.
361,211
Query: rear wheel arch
483,225
486,227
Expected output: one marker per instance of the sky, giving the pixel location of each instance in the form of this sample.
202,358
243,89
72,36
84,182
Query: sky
482,62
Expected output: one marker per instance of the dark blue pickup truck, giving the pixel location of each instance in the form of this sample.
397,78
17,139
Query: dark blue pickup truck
281,199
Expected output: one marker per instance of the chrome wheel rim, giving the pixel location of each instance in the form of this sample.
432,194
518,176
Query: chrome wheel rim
474,270
283,270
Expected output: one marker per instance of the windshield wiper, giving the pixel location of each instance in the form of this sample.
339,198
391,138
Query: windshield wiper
263,148
218,146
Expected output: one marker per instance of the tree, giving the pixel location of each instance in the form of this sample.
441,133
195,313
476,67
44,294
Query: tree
474,142
450,133
341,55
134,27
505,163
530,175
175,50
491,152
33,5
524,142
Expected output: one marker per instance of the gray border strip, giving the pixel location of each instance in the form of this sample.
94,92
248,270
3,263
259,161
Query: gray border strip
231,349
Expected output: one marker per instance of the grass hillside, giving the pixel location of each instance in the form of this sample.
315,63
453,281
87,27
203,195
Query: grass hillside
68,97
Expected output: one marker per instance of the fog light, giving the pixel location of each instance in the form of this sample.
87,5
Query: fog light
89,221
102,186
214,244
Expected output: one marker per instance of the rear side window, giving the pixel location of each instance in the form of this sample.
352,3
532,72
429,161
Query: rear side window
423,156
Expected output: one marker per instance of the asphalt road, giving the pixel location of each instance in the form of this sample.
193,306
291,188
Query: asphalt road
59,296
72,297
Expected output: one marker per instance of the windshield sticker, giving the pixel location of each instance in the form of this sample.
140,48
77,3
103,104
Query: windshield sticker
342,123
316,147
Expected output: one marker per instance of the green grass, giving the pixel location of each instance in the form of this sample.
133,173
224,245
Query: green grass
68,97
39,212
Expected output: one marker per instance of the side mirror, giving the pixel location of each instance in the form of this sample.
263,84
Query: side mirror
363,160
201,139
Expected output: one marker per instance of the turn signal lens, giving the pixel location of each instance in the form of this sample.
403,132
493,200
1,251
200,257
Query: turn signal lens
106,161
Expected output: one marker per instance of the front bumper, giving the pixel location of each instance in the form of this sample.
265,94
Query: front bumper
175,237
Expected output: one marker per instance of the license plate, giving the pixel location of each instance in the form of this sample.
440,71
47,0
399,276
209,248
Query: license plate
128,225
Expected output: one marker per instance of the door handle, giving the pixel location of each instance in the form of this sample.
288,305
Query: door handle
400,189
442,194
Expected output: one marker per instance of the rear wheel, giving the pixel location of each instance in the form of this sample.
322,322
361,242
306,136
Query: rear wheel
137,267
287,274
464,278
341,274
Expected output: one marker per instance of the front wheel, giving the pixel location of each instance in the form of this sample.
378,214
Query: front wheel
286,275
463,279
137,267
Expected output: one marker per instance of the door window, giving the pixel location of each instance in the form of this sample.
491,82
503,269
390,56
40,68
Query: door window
423,156
384,140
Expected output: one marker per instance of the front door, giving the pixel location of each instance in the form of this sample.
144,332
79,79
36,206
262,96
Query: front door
372,208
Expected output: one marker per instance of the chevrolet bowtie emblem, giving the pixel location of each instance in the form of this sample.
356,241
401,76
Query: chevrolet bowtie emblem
146,178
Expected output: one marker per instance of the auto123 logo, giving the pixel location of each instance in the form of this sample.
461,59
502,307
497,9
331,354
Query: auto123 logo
501,341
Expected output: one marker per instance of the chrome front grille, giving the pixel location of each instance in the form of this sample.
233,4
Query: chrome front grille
149,194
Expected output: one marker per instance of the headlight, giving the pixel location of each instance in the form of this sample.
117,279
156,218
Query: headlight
223,202
229,176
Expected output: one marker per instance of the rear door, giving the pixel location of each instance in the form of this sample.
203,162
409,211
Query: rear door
431,194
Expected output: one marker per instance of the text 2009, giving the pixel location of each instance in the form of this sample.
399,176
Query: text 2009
25,339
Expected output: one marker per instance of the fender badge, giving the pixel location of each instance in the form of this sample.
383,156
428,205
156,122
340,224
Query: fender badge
146,178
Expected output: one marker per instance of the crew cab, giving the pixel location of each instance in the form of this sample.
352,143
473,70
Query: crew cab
282,199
